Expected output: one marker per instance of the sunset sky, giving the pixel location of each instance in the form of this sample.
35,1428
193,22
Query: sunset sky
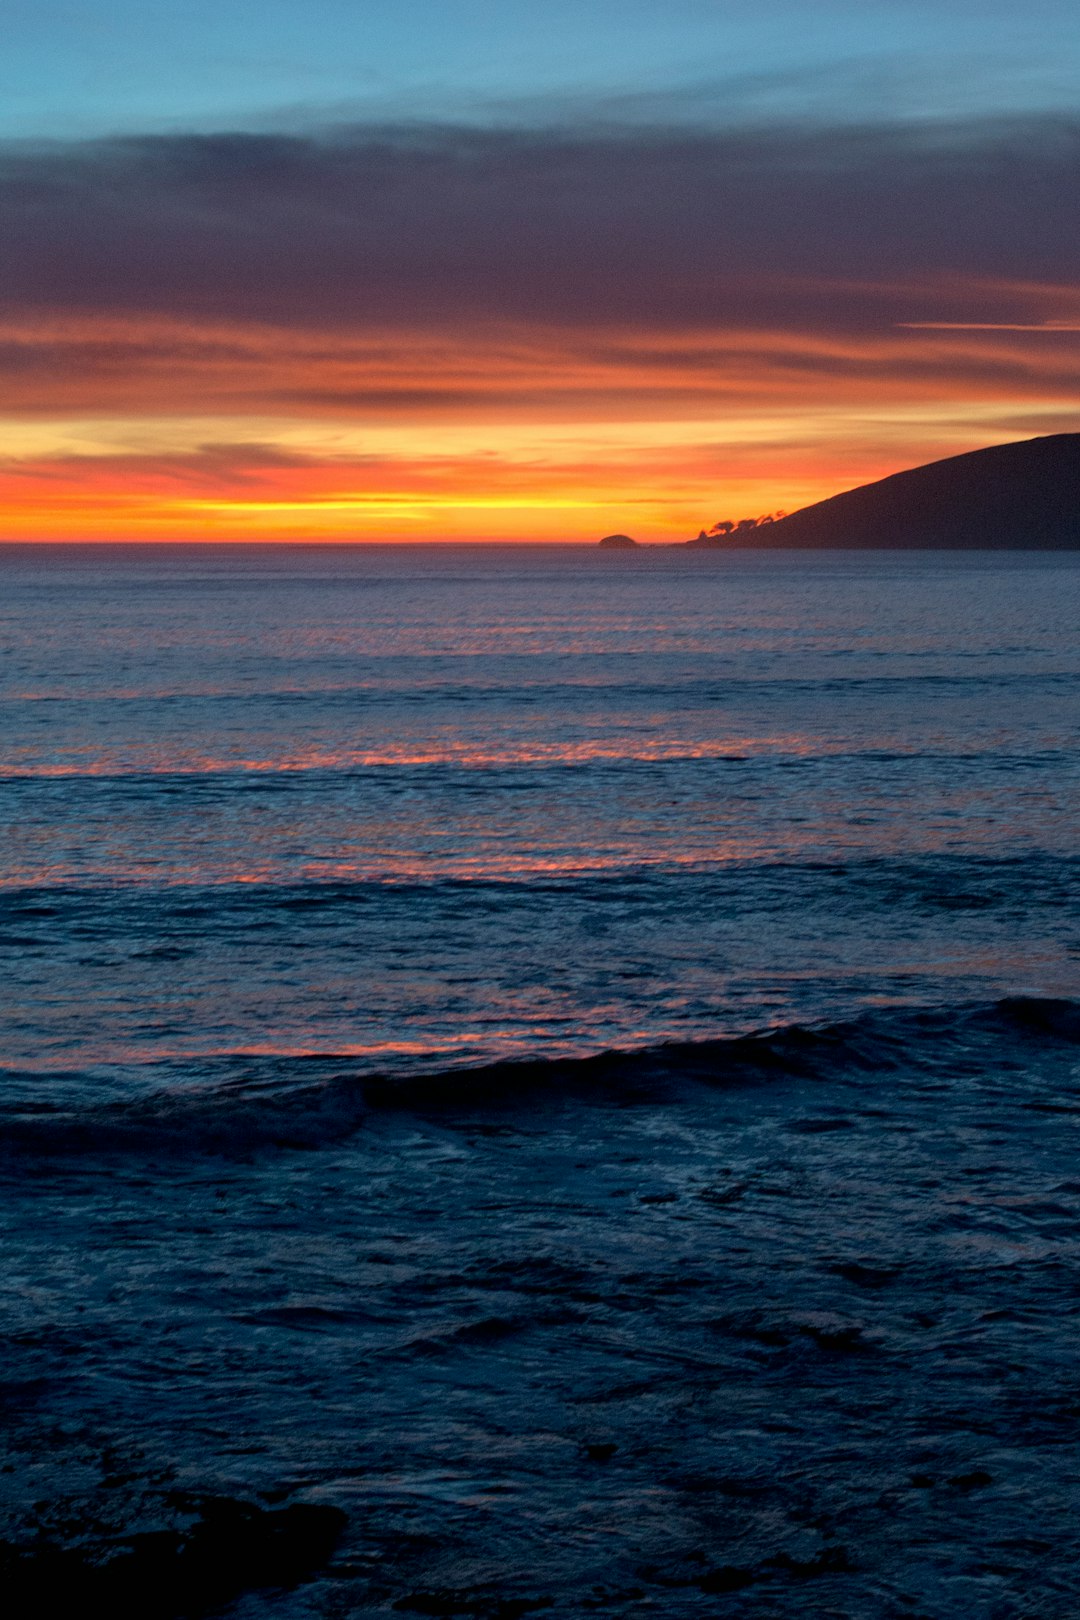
486,269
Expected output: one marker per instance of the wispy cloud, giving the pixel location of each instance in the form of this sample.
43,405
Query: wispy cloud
1047,327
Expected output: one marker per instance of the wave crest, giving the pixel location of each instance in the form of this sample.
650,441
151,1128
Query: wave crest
310,1102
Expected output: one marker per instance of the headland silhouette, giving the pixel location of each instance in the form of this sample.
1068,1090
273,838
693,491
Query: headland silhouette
1021,496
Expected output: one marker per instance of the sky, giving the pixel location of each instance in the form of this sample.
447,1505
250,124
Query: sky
458,269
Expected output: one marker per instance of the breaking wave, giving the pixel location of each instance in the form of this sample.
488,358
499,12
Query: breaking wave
291,1101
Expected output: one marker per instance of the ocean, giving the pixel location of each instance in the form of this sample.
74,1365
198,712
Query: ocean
538,1080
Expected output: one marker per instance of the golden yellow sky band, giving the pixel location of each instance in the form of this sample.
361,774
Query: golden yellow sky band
124,428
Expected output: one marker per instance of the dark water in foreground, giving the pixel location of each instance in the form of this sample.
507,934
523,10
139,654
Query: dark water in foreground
326,874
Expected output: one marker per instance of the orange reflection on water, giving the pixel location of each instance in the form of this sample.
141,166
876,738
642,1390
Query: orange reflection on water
520,1040
459,754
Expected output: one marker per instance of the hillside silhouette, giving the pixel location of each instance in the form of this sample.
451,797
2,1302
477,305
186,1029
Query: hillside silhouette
1023,496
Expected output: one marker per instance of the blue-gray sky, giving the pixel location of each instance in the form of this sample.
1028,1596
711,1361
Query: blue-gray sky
72,68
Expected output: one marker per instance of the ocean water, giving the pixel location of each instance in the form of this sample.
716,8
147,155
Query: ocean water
537,1080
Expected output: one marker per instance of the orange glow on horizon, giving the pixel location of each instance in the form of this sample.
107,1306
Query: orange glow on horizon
165,429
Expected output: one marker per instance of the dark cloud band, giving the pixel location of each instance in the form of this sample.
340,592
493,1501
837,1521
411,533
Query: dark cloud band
846,230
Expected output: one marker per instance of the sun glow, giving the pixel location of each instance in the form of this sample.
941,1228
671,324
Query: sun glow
165,429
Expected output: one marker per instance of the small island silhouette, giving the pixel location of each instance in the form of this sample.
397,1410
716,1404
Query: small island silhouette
617,542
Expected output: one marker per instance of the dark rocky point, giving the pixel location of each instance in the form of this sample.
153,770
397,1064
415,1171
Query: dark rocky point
231,1548
1023,496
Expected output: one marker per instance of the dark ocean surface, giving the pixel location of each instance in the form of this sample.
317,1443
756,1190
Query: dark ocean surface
540,1081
